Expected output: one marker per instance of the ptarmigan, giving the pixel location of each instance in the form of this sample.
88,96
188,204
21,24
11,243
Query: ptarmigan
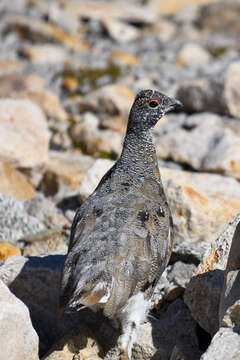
121,236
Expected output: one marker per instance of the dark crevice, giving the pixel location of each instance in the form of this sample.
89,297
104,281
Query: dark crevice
204,338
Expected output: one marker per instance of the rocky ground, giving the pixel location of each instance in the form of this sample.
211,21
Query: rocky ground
69,71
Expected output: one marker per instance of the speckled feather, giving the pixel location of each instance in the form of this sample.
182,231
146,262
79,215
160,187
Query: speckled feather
121,236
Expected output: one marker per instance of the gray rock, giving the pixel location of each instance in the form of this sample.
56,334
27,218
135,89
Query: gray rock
202,141
45,211
216,258
189,253
15,222
209,15
231,292
181,273
175,327
203,292
19,339
202,296
225,345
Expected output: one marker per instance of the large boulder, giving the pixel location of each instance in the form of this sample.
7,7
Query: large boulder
24,135
203,292
19,339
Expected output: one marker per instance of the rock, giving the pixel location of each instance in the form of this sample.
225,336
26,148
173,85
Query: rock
7,250
44,242
209,15
45,53
15,222
165,30
91,139
189,253
35,281
231,89
192,55
202,294
13,183
203,94
93,176
40,31
225,345
231,318
79,342
116,10
48,102
64,169
216,143
175,327
230,293
114,100
10,66
172,6
202,297
201,204
119,31
17,334
13,84
24,135
217,256
45,211
181,273
123,58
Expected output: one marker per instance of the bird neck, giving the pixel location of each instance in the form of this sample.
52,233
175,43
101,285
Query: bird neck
139,154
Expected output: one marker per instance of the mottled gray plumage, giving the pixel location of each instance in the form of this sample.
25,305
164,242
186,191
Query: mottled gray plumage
121,235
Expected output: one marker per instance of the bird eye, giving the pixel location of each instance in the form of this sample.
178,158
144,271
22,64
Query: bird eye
153,103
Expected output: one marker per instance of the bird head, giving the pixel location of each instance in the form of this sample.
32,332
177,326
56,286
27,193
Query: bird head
148,107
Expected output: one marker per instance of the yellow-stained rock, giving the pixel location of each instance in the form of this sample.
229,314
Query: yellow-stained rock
7,250
123,58
172,6
43,31
64,169
13,183
201,204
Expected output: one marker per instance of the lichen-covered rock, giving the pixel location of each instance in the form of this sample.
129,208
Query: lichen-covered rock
18,337
15,222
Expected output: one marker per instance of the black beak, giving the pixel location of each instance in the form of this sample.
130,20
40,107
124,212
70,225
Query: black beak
174,104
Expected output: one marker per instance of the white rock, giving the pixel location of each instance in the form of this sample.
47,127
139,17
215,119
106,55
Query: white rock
18,337
192,55
93,176
24,135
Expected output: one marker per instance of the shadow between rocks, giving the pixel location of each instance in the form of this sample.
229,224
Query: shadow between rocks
37,285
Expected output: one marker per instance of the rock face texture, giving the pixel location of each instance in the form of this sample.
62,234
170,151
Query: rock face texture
19,339
24,135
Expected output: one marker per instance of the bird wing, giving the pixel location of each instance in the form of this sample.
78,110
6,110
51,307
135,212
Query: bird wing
118,245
